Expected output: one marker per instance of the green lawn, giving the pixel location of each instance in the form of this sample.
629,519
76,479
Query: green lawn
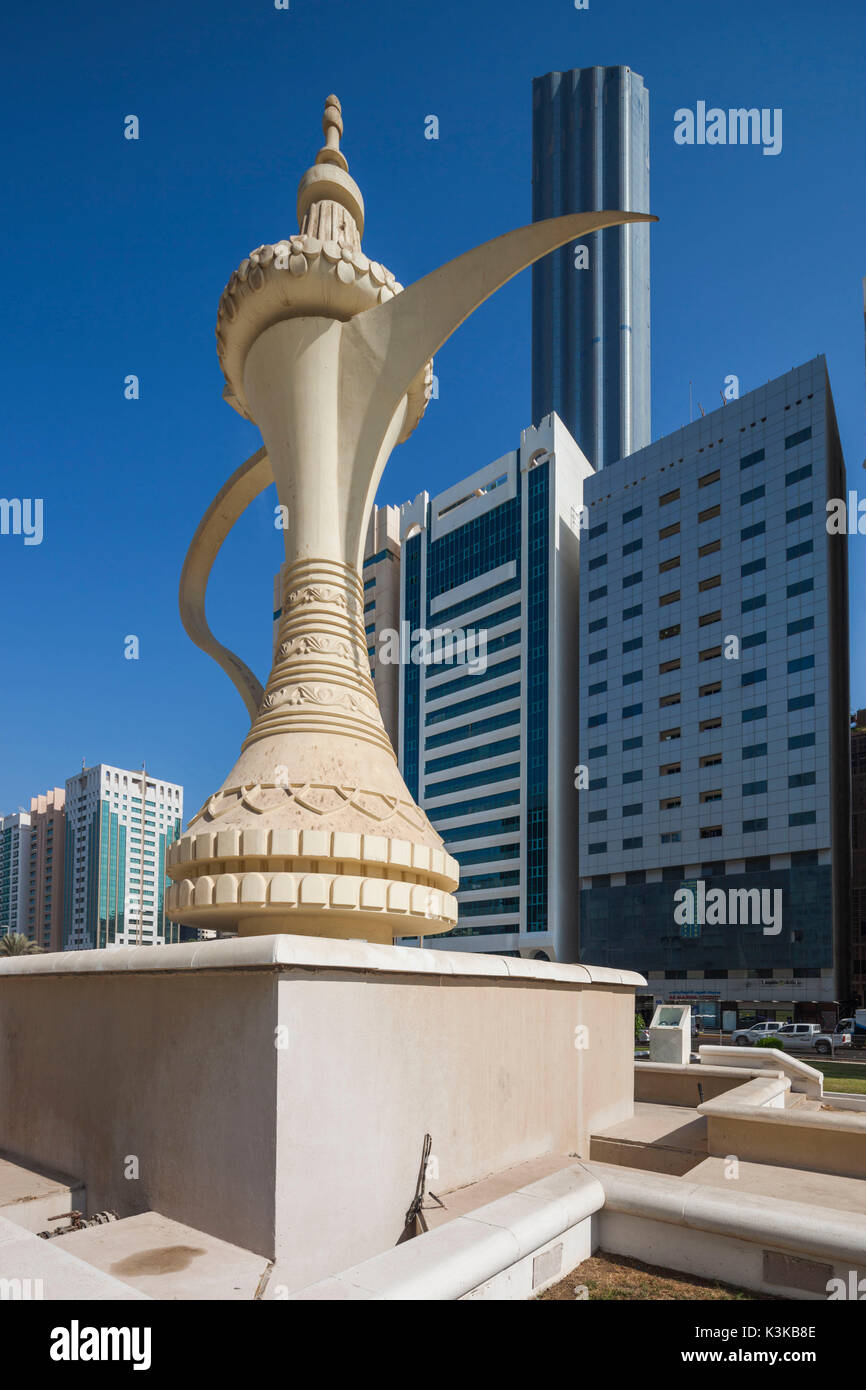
842,1076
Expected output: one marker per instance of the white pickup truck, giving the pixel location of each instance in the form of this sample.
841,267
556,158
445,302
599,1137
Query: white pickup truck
808,1037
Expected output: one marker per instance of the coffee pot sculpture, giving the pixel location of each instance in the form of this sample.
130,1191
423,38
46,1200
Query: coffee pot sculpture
314,831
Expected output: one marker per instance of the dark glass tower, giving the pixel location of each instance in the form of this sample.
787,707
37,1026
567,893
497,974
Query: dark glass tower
591,327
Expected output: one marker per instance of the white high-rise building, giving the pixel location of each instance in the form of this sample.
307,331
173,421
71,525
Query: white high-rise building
118,824
489,741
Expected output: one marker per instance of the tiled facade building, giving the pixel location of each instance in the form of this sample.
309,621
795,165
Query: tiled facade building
714,703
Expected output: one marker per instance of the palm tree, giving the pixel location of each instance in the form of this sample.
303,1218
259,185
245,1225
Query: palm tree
16,944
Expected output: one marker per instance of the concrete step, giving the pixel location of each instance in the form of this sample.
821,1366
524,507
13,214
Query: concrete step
164,1259
32,1196
668,1139
32,1270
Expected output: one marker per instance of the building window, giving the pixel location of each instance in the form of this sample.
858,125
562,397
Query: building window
672,564
714,795
595,594
795,551
801,818
800,663
631,579
707,619
672,530
752,567
667,632
632,515
754,788
671,837
749,605
709,478
754,677
666,666
710,832
801,779
801,625
600,655
709,513
751,459
799,438
631,711
803,586
672,597
801,702
670,497
754,494
757,712
754,750
636,775
751,827
800,741
632,677
795,513
748,533
598,562
798,475
634,612
633,644
632,547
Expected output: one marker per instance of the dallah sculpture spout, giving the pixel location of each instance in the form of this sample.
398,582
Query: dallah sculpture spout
314,830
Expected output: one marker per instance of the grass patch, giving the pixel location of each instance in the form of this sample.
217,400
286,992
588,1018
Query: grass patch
848,1077
618,1278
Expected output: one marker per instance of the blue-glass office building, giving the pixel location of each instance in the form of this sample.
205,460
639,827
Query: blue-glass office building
591,312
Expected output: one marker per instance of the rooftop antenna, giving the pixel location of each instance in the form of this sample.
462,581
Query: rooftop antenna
701,409
690,402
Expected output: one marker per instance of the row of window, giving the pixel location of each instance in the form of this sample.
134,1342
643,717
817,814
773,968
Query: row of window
752,639
714,476
674,837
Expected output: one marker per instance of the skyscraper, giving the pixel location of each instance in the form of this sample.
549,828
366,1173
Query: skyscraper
488,746
31,870
14,860
714,707
591,307
118,824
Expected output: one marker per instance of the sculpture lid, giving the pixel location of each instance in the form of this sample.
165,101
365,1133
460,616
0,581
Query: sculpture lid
330,206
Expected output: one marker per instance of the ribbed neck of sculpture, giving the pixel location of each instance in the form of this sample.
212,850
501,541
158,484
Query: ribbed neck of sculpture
320,683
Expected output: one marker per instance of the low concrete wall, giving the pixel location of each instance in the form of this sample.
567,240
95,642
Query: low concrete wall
669,1083
275,1091
761,1243
804,1078
755,1131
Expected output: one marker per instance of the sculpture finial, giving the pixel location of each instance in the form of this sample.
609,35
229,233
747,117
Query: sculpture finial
332,126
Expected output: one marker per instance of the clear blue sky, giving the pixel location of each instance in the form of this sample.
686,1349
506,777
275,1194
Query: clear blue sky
116,253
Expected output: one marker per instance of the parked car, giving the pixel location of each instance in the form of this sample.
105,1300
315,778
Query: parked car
747,1037
808,1037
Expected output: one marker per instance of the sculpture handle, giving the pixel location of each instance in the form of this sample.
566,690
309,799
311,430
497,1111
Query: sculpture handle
231,501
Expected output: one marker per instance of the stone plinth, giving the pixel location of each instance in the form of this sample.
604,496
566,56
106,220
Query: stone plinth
275,1091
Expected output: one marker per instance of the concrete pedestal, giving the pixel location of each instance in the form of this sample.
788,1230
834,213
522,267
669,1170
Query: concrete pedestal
275,1091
